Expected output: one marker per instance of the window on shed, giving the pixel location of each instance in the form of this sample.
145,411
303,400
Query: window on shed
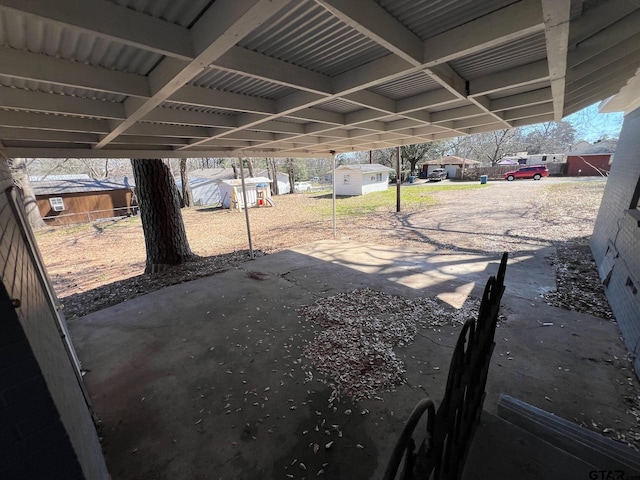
379,177
544,158
347,179
57,204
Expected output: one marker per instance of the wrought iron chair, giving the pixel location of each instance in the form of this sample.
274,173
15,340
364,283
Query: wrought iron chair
449,431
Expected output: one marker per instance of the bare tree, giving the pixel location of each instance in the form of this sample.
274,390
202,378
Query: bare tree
249,161
164,233
272,169
492,146
549,137
18,167
291,171
187,196
412,154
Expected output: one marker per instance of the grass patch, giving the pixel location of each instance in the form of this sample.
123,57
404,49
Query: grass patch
410,197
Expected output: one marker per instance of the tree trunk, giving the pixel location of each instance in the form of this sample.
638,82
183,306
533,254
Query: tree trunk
164,234
250,166
187,196
235,170
272,166
292,175
20,175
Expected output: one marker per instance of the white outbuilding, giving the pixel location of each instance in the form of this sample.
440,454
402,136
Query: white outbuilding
362,178
258,192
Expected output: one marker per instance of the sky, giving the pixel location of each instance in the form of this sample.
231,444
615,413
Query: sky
592,125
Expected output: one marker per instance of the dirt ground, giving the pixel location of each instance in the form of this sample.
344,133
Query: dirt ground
512,216
101,264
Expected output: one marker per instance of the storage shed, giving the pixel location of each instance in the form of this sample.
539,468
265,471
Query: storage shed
362,178
63,202
258,192
205,191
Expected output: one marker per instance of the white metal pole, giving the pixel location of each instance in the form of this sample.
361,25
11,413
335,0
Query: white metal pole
333,192
246,205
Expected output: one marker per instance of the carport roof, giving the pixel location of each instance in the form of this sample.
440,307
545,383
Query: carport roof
199,78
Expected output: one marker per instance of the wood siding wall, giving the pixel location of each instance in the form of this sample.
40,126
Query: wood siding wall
86,207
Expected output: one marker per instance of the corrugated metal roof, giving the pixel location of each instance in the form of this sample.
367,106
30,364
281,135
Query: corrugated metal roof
196,108
339,106
309,36
61,187
59,89
71,176
521,89
235,83
34,35
427,19
408,86
180,12
502,57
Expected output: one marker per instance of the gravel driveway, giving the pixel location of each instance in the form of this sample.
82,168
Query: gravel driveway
94,266
514,216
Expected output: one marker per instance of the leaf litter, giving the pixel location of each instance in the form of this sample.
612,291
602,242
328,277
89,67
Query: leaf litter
360,328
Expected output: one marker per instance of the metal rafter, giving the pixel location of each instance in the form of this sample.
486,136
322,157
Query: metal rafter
588,57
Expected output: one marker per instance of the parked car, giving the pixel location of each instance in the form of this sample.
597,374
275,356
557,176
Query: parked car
300,187
438,174
535,171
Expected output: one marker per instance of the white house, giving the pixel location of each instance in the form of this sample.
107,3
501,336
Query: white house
362,178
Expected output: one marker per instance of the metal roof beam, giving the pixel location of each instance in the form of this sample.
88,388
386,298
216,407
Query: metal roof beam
599,18
556,30
246,62
533,111
17,133
52,122
374,22
217,31
209,97
110,21
535,97
502,26
29,100
160,130
623,36
42,68
514,77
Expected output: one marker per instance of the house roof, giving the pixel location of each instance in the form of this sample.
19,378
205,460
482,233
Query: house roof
195,182
366,167
598,148
61,187
71,176
236,182
296,78
452,160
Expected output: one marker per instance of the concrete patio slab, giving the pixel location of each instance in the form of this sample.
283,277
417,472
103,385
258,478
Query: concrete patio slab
203,380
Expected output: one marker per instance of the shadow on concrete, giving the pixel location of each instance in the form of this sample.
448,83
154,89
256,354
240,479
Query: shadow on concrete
204,379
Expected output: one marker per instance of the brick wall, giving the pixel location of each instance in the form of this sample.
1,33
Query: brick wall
40,378
33,441
616,237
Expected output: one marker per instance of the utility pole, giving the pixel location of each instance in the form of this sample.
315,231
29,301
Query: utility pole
398,179
246,207
333,191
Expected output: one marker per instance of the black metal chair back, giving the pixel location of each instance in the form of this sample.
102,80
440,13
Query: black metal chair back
449,431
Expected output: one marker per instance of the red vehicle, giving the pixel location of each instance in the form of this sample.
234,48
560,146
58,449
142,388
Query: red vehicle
535,171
